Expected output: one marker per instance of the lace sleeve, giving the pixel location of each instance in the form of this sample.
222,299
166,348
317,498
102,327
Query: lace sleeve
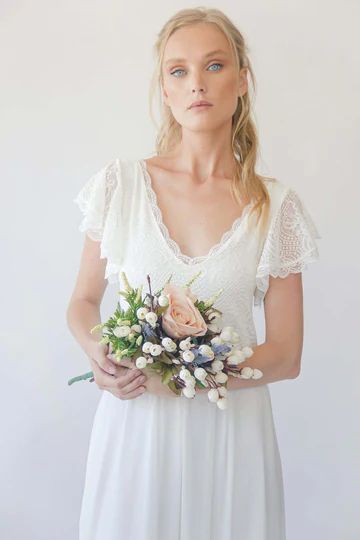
94,200
101,202
289,246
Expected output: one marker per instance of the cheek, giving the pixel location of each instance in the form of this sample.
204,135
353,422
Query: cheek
177,90
228,97
177,94
229,88
169,85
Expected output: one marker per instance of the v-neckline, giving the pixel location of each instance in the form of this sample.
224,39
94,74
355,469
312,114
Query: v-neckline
172,245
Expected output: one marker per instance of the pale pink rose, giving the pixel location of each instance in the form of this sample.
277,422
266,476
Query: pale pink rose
181,317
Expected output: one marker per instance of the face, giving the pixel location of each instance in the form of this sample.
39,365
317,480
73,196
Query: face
198,65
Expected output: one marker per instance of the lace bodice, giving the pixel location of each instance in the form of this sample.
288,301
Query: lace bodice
173,245
121,211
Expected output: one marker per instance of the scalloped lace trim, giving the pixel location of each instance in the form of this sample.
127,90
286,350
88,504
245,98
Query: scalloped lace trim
99,218
94,200
172,244
290,245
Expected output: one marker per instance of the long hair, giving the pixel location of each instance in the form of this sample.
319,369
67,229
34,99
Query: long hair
246,184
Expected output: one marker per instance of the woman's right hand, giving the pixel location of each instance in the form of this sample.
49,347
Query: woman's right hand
127,382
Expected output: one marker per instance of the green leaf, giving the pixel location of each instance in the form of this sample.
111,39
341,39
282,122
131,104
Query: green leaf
175,370
155,365
167,375
163,357
173,387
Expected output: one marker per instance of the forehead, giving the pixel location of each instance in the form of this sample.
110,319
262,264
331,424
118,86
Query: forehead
195,41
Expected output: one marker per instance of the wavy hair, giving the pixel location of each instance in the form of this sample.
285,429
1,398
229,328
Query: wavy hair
246,184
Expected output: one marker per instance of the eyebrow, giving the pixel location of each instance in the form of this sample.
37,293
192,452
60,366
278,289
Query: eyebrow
211,53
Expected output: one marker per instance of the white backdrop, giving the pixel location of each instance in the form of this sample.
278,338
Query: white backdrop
74,94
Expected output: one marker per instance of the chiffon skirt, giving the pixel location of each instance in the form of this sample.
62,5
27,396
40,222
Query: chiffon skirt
163,468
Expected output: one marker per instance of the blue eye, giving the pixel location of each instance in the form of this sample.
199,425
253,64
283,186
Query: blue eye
215,64
173,72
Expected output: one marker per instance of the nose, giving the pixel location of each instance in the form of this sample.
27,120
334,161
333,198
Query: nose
197,83
201,89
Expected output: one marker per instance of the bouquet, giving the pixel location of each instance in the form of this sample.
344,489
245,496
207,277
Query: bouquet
178,336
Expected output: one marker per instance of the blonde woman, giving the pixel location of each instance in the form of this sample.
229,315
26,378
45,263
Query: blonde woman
162,467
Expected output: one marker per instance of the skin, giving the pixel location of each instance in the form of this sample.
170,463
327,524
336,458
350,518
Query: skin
187,182
200,170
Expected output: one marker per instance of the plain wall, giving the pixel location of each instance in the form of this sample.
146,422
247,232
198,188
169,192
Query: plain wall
74,94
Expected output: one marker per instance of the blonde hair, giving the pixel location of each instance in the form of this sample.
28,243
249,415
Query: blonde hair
246,184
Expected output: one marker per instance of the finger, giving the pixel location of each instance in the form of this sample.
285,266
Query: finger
125,361
138,381
106,364
137,389
136,393
130,364
102,378
127,378
131,395
123,373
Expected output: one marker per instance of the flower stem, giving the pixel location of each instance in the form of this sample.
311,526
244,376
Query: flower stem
83,377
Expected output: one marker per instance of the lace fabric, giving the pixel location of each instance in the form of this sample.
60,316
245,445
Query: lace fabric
289,245
119,213
172,244
100,203
116,211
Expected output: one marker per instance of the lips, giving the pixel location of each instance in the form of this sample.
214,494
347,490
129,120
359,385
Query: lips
200,104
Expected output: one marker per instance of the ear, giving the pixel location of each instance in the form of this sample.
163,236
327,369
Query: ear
243,82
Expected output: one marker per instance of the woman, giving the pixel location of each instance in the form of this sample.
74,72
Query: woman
160,466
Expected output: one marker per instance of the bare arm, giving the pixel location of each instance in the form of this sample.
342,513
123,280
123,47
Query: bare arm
83,311
280,355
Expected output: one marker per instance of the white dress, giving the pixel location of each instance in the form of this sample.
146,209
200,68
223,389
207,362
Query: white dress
163,468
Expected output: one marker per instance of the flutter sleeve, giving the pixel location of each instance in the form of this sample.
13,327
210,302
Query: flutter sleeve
290,244
100,202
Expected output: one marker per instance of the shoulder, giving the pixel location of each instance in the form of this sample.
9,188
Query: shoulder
118,165
129,170
117,172
275,186
282,194
277,191
104,178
